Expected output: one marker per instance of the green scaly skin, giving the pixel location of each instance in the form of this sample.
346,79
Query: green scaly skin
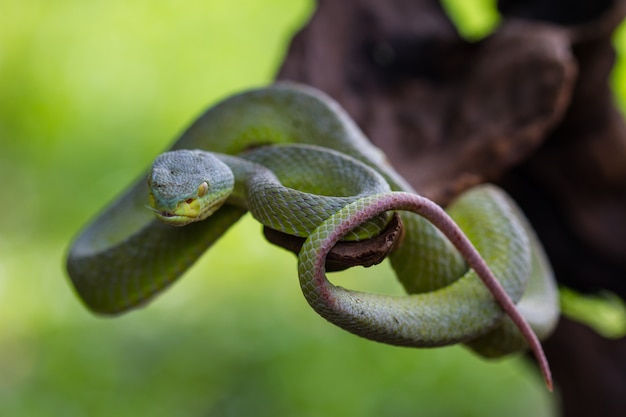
125,256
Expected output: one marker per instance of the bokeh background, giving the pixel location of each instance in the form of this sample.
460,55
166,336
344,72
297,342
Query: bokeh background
90,93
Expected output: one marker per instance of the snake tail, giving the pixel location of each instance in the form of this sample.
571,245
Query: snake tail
384,319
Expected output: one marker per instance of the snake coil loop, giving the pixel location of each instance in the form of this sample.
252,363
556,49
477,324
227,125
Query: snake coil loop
125,256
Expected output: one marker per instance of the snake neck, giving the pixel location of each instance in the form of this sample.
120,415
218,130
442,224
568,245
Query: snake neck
244,172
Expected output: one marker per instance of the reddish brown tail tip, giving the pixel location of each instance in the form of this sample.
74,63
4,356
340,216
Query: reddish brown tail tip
547,375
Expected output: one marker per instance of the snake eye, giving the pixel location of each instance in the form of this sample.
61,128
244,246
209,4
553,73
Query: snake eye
203,189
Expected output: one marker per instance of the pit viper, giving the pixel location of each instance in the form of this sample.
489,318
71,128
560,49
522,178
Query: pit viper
289,154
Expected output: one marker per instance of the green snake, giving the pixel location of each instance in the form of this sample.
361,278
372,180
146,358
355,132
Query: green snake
292,157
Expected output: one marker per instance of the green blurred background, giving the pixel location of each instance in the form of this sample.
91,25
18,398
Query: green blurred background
90,92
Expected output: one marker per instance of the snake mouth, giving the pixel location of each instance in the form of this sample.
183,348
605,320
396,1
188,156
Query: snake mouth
174,219
185,212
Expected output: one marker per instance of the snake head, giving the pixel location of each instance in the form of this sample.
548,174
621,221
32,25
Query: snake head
187,186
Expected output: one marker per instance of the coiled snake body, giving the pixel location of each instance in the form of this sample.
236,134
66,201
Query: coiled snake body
304,168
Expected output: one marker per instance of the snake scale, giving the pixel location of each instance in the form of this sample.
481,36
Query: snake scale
290,155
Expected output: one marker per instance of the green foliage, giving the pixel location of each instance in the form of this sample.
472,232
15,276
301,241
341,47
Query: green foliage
90,92
604,312
473,19
618,77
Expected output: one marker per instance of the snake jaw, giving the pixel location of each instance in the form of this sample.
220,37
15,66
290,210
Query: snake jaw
173,219
185,212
